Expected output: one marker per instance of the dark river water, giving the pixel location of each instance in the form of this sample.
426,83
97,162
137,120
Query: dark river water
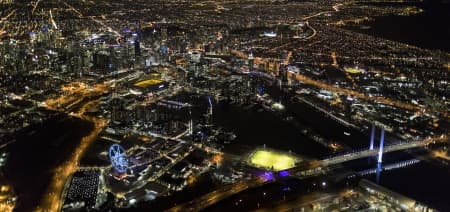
426,182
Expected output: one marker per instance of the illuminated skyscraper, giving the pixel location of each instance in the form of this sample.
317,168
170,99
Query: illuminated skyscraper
251,62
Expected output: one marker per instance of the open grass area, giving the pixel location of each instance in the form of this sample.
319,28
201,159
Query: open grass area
146,83
272,160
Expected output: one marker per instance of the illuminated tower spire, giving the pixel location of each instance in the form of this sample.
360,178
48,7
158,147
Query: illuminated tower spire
190,130
210,106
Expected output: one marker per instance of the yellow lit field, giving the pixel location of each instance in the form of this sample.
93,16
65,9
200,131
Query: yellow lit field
272,160
353,70
146,83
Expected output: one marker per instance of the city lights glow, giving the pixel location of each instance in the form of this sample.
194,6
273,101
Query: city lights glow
246,105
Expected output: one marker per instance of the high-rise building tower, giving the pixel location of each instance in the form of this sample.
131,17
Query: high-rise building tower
251,62
282,71
137,48
164,35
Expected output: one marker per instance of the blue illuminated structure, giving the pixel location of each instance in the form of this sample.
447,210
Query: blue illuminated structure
260,89
268,176
209,101
372,137
379,169
164,49
118,158
283,173
380,153
210,108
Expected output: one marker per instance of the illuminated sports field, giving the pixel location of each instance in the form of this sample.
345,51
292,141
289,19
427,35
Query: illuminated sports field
353,70
272,160
146,83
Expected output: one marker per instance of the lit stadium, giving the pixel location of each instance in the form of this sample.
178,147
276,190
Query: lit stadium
354,70
148,85
269,159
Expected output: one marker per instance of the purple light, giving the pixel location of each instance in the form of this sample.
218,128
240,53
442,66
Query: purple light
268,176
283,173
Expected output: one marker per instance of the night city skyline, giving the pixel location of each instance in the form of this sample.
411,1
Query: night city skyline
249,105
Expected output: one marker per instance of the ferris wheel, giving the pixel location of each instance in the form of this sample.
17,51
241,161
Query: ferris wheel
117,156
